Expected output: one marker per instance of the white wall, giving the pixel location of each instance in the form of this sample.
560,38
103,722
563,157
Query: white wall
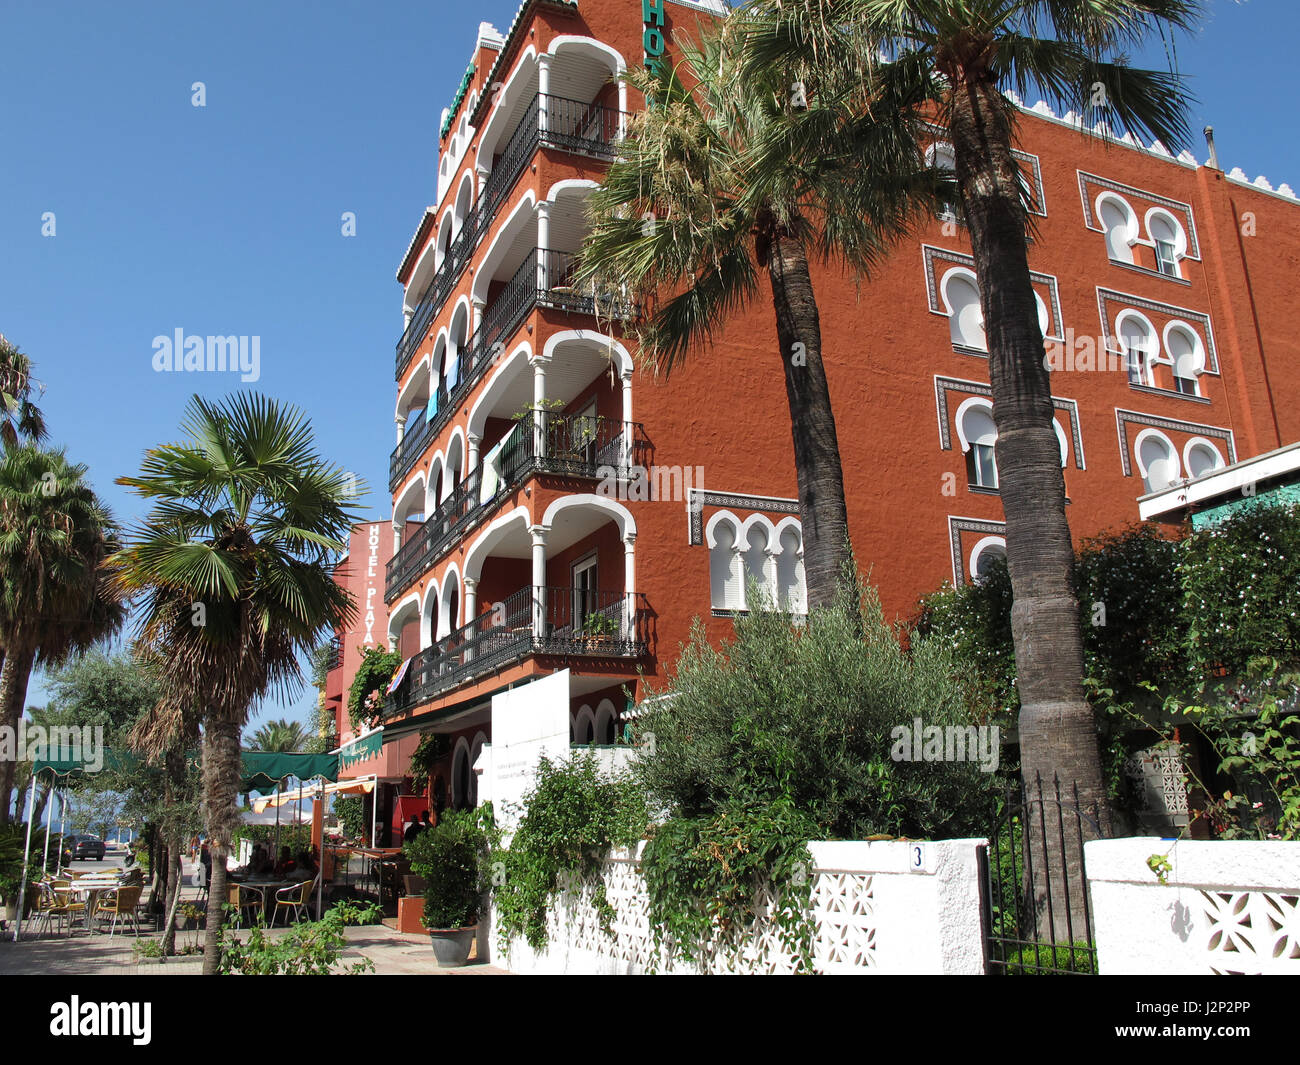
1227,907
875,913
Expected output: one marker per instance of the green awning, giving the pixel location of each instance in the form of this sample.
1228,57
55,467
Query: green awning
261,769
360,749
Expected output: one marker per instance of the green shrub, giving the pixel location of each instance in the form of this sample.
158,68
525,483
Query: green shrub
452,858
572,816
806,715
308,948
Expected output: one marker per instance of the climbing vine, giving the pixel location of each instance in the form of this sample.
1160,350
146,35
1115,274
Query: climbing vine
571,818
366,696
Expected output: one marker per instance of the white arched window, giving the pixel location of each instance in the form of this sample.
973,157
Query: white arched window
942,157
789,571
1157,460
1120,223
725,581
965,319
756,540
1167,237
1186,356
1201,457
978,435
1137,340
985,554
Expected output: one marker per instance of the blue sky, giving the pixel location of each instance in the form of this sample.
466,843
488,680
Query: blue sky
226,219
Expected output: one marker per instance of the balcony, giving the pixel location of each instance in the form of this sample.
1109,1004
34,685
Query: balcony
334,658
545,278
541,442
548,121
532,621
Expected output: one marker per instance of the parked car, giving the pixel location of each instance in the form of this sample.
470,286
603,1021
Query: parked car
83,847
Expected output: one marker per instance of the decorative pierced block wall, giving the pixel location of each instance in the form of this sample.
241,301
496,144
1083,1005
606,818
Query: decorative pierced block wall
857,890
1227,906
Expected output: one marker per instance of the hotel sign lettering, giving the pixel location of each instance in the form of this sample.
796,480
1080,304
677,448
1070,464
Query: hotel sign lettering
652,39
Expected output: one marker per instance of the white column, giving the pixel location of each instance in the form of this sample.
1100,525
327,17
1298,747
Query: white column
397,535
400,422
471,599
629,585
480,305
738,561
474,441
622,108
771,569
543,244
627,420
539,364
543,89
539,533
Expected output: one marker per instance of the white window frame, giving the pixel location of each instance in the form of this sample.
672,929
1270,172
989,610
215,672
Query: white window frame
1142,466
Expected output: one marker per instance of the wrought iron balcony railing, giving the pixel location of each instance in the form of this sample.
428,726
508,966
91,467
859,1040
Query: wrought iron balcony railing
572,126
545,278
532,621
542,442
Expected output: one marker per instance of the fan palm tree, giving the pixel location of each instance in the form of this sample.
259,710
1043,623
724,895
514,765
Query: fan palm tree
282,735
232,570
20,418
56,596
1072,52
732,177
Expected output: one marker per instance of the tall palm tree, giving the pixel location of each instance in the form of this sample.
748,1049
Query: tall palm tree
281,735
1072,52
730,176
232,570
20,418
56,598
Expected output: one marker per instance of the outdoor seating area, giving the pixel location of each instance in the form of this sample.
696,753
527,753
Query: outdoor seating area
87,901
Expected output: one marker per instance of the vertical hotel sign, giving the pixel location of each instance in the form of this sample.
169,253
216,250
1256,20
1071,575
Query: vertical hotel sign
372,582
652,39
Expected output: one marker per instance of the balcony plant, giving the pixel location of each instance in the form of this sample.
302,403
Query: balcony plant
452,858
599,631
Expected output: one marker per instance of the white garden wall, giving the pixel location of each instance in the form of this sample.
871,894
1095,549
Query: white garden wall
1227,906
884,907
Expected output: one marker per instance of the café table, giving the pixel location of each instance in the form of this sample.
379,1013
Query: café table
91,887
261,885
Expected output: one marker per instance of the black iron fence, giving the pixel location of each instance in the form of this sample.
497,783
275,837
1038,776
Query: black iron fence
1037,912
570,445
571,125
545,277
557,621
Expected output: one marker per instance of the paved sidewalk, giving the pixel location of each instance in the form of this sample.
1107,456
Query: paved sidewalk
97,954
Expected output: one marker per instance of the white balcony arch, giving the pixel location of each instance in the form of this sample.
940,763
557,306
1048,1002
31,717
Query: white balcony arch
499,531
451,603
509,389
620,514
520,220
400,616
430,614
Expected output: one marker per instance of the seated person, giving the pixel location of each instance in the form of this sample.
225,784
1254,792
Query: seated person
412,830
304,868
285,865
261,865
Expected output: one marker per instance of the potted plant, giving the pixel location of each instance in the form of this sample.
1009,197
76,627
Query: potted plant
599,630
451,857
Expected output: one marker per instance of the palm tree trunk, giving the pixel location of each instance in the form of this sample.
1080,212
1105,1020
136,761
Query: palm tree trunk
1058,734
174,764
823,512
221,769
14,675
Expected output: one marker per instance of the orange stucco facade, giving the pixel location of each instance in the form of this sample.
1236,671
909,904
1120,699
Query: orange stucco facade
1203,266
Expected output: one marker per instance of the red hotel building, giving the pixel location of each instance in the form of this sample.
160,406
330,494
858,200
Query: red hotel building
1165,285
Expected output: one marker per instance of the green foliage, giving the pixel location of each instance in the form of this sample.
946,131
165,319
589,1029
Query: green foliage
279,735
13,840
708,876
309,948
1079,957
432,748
1203,632
452,857
351,814
1240,581
571,818
366,696
806,716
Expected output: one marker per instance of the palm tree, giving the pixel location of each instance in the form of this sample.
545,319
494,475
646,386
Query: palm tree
232,570
1071,51
732,175
20,418
282,735
56,596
